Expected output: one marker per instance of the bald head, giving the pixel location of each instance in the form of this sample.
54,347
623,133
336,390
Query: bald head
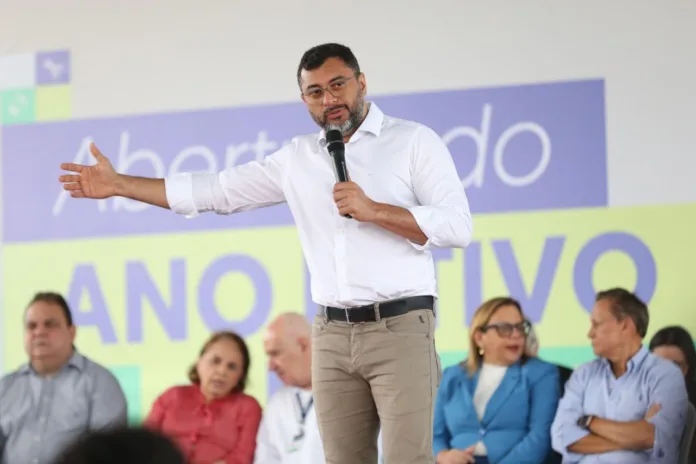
289,326
287,344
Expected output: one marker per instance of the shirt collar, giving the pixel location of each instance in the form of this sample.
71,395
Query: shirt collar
371,124
76,360
637,359
633,363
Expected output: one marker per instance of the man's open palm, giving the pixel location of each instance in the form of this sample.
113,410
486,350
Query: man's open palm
97,181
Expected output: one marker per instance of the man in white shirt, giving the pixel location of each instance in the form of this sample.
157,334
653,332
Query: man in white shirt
289,433
372,275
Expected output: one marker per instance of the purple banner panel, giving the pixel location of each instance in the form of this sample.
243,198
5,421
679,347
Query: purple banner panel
53,67
518,148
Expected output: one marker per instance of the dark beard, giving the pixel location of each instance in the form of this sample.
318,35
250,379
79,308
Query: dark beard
355,117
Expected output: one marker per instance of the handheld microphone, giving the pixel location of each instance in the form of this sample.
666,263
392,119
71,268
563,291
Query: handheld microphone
337,151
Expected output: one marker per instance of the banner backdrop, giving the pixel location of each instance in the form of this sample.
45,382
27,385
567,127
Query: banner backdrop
147,286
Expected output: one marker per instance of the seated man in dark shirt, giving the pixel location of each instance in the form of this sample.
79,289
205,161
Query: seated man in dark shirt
123,445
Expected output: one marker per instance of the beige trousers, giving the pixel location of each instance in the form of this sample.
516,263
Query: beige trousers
377,373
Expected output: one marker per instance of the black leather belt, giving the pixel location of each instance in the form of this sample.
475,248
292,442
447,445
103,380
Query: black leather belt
368,313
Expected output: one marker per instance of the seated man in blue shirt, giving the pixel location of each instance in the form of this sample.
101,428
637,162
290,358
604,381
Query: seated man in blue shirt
626,406
59,394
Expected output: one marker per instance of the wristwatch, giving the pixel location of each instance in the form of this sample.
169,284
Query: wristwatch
585,421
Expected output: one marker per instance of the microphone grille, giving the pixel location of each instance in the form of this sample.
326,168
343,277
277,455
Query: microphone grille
334,135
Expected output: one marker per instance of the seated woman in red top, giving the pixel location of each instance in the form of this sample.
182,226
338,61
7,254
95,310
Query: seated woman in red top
212,420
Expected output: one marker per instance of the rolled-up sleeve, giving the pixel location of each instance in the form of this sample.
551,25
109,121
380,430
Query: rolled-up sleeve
443,214
240,188
564,430
179,191
670,393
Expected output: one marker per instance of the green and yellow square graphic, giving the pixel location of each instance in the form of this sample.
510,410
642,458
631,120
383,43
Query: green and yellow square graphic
35,87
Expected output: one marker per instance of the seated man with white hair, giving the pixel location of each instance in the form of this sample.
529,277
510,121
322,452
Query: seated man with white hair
289,432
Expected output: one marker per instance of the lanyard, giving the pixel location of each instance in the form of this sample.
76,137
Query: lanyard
304,410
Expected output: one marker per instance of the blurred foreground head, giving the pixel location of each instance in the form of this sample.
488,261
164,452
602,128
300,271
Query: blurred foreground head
120,446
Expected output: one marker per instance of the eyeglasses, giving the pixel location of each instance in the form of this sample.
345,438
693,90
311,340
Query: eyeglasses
505,329
337,88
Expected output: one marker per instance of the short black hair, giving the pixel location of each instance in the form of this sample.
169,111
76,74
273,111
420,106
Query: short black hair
316,56
56,299
136,445
626,304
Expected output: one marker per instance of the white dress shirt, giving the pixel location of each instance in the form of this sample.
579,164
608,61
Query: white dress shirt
279,440
282,438
394,161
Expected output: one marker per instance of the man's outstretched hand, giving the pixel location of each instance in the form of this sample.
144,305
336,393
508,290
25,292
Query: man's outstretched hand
97,181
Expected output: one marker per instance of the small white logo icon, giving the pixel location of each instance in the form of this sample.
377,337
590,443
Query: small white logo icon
17,105
54,69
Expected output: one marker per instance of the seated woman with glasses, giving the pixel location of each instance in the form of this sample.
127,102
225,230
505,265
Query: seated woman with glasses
496,407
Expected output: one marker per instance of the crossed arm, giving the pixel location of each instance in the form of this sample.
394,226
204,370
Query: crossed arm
593,444
607,435
635,435
657,434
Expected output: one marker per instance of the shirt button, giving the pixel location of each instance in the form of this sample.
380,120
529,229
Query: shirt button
482,432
